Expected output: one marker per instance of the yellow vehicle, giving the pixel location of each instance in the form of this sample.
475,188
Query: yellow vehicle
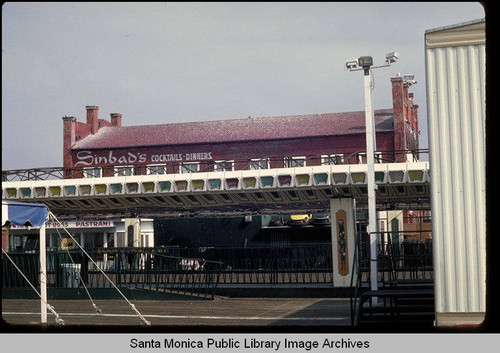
300,219
67,244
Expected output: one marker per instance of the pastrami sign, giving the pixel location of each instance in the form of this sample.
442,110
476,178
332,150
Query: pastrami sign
72,224
89,158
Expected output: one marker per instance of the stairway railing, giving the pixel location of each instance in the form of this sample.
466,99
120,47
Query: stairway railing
405,261
356,275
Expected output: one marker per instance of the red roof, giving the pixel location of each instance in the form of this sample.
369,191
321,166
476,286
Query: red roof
266,128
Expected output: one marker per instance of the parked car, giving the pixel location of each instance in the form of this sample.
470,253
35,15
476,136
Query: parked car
321,219
300,219
277,222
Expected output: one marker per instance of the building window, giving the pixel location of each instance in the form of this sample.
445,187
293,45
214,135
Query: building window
155,169
124,170
93,240
332,159
259,163
362,158
92,172
120,239
189,167
145,240
110,240
130,236
224,166
295,162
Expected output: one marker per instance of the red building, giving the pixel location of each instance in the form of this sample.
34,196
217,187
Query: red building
99,147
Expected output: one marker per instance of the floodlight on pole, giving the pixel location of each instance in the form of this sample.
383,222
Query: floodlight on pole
351,64
391,57
365,63
409,79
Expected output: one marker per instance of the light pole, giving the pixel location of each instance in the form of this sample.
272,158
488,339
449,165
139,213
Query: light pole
365,63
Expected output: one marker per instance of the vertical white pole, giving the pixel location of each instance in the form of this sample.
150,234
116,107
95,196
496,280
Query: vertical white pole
43,275
370,151
105,245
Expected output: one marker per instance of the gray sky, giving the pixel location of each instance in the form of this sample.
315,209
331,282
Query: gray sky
177,62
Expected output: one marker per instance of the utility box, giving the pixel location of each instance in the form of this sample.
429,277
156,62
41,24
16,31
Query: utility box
70,275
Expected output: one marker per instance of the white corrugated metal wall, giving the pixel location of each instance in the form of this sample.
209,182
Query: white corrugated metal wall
456,118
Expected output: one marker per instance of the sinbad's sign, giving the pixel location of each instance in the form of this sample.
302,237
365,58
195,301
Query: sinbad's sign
90,158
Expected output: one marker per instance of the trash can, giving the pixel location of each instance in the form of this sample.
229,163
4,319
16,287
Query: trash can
70,275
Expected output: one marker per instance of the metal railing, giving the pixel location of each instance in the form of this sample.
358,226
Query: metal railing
275,265
358,157
194,271
396,261
355,297
154,269
407,260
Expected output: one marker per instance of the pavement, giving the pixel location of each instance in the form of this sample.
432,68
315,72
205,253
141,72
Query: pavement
18,314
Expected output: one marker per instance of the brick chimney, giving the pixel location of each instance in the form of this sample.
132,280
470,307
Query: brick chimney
116,119
92,118
69,139
398,111
405,118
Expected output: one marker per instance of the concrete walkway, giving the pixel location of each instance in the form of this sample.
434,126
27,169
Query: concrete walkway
220,311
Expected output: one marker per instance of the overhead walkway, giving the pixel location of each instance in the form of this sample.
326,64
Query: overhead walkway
285,188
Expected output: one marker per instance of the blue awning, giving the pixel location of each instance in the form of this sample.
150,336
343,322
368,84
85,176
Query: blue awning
24,213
